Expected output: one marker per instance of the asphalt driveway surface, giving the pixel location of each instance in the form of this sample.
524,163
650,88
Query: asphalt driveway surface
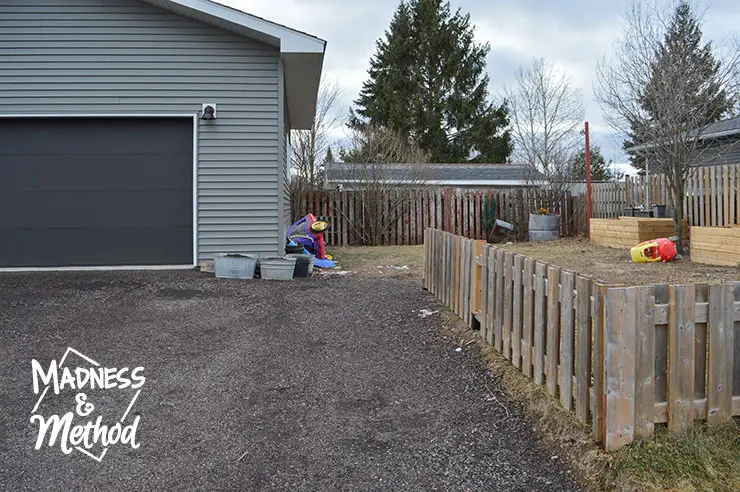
322,384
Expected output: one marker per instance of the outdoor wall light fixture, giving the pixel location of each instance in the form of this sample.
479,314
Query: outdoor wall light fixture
209,112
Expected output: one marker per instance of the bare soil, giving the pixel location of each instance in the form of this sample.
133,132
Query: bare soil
615,266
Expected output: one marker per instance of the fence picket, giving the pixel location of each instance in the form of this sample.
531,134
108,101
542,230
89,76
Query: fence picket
498,321
491,295
681,351
508,306
567,337
528,316
517,311
540,321
583,347
645,361
721,352
619,363
553,329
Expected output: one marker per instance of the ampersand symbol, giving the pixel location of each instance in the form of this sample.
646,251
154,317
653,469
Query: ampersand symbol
84,408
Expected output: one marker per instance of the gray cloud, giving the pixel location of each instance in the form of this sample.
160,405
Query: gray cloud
573,34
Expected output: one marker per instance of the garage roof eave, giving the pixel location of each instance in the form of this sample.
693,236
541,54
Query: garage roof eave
302,53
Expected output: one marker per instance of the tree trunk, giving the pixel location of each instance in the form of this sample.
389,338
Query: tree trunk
677,187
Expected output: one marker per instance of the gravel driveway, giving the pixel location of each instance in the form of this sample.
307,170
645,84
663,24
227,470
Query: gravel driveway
322,384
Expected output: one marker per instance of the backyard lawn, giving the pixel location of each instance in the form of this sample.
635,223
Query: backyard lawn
381,260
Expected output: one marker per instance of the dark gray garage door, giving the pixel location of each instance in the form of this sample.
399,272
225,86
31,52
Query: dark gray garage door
96,191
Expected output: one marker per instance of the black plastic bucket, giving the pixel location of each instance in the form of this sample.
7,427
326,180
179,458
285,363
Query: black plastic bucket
294,250
303,265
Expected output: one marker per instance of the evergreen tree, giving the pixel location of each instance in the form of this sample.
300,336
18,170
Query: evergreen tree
428,84
683,56
600,169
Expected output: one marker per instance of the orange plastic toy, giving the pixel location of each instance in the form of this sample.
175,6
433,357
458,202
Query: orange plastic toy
661,249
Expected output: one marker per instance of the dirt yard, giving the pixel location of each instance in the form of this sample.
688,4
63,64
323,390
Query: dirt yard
614,265
318,384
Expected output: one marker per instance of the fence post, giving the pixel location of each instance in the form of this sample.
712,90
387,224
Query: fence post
619,363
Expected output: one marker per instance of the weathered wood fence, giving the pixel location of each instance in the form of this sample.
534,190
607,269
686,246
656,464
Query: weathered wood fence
622,358
408,212
712,196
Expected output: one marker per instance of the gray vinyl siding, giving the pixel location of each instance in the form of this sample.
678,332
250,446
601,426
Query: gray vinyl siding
284,162
128,57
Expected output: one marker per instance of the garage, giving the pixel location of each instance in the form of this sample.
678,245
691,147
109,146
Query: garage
96,191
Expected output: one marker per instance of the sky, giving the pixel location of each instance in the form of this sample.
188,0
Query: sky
571,34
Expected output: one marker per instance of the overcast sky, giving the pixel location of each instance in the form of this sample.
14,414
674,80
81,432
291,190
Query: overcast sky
573,34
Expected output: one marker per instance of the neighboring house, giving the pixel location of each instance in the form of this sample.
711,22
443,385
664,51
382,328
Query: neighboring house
719,144
107,153
347,175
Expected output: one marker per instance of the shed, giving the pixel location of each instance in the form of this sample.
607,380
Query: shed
146,132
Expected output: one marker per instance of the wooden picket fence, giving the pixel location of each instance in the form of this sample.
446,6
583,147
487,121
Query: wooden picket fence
622,358
465,212
712,197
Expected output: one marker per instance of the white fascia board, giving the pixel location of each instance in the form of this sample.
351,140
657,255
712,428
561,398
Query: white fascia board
289,40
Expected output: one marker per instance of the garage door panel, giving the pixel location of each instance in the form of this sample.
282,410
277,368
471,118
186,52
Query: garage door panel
96,191
147,208
103,246
95,136
119,172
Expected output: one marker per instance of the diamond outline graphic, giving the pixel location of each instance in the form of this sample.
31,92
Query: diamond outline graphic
125,414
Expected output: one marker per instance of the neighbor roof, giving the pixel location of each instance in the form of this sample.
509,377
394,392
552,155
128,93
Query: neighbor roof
442,174
724,128
302,54
721,129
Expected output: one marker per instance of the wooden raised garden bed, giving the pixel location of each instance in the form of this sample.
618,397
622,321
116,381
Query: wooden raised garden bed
716,245
626,232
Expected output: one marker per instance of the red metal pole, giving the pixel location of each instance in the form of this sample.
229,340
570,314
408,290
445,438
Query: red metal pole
588,179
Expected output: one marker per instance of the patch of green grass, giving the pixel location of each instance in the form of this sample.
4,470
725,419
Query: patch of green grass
367,259
705,458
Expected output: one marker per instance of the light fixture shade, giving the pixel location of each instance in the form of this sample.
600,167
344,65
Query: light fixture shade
209,112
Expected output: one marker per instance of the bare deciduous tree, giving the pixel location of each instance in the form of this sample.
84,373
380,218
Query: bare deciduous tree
665,92
308,147
385,172
546,114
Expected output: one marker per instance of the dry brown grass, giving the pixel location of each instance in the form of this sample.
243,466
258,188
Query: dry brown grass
703,459
567,437
381,260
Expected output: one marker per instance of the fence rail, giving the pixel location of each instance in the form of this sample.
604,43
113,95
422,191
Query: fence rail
622,358
712,198
406,213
